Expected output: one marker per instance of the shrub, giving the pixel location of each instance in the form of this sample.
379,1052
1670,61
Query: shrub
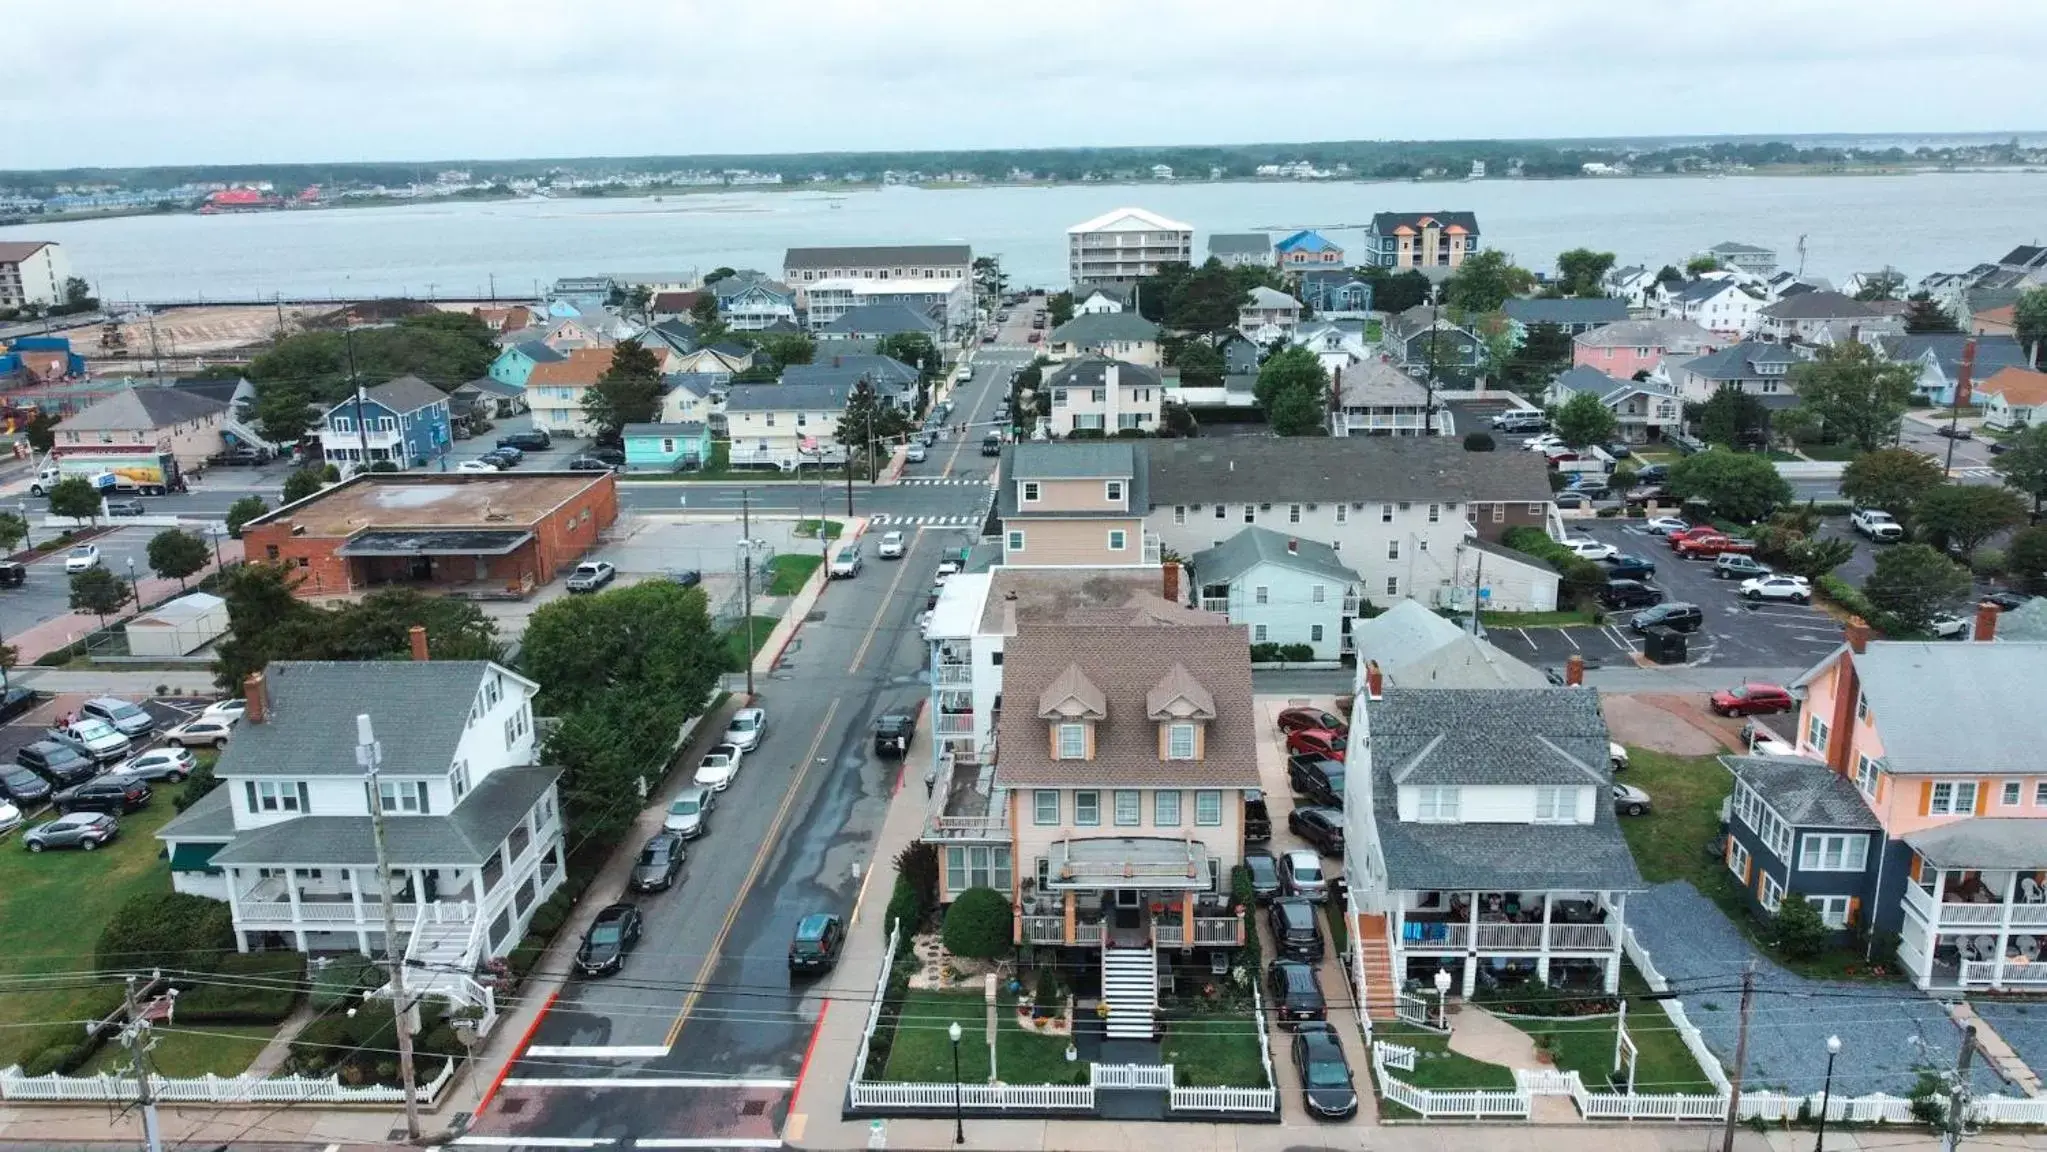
978,924
252,988
166,930
1987,562
1797,929
1046,997
1264,653
383,466
344,979
918,863
905,908
1246,897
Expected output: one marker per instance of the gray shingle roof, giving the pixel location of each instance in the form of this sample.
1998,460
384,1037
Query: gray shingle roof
1739,361
1255,546
1091,328
1239,244
876,256
492,386
1805,792
540,352
1676,334
1375,383
212,817
1819,306
1983,842
420,711
1093,372
690,429
1073,460
1355,468
881,320
146,406
1956,709
1992,352
851,367
466,836
1383,223
1591,311
1263,297
406,394
788,398
1586,379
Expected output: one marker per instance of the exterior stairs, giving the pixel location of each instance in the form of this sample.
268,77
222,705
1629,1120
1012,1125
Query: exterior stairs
1130,986
1370,933
443,948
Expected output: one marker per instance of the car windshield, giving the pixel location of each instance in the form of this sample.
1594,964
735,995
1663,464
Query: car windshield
606,933
1297,917
93,729
1335,776
16,774
126,711
1307,870
87,551
1327,1074
744,723
687,807
1259,867
652,856
717,760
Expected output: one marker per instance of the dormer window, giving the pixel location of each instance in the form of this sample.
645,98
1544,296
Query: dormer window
1436,804
1073,741
1179,741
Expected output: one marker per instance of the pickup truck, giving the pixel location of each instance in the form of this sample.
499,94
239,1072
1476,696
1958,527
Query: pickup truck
1703,547
96,740
1257,817
1877,525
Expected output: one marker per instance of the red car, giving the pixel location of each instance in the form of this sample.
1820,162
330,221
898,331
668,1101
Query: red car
1753,700
1706,547
1322,742
1295,719
1676,538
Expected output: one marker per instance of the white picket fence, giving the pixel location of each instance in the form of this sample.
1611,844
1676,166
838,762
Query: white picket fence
1694,1042
1875,1108
888,962
1393,1055
1154,1077
1224,1099
865,1094
1444,1104
210,1089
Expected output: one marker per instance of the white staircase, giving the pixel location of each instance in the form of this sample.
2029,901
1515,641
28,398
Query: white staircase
444,948
1130,986
245,433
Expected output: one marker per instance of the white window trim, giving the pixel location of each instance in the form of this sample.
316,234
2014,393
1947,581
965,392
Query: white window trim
1204,798
1772,894
1079,734
1849,849
1174,732
1160,816
1038,797
1738,860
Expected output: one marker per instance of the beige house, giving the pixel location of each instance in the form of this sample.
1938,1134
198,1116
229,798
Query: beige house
1106,396
172,420
1074,505
1124,336
785,425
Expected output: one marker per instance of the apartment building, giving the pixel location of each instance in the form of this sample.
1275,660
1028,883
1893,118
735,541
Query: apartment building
1124,246
785,426
933,279
1096,394
32,272
1421,240
1079,504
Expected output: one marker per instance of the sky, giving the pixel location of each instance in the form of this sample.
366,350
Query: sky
121,83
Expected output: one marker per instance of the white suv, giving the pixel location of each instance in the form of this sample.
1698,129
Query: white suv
891,547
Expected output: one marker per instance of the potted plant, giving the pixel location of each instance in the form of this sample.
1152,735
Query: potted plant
1545,1048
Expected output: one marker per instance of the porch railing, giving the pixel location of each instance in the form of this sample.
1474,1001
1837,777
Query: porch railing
952,675
1983,973
1442,937
1219,605
953,724
1044,930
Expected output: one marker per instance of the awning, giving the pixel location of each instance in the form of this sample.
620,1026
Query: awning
1128,862
435,542
191,857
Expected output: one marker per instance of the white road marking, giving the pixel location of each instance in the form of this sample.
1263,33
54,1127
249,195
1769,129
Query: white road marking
1566,634
535,1141
706,1142
600,1052
642,1082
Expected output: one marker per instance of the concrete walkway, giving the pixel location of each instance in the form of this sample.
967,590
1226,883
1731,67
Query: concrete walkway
1995,1050
1481,1035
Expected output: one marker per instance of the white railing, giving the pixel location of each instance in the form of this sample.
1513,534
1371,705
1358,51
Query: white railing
1545,1082
1494,936
1396,1056
1224,1099
1694,1041
1581,937
1156,1077
210,1089
371,914
1920,900
1220,605
1218,930
1414,1010
990,827
952,675
888,961
1044,929
953,724
1970,915
1264,1037
868,1094
1984,972
1168,933
1514,936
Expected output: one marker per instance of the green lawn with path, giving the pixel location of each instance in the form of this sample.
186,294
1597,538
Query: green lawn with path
790,571
922,1052
191,1050
1213,1049
738,651
1436,1066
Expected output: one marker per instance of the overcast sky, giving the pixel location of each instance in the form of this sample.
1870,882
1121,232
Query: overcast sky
136,82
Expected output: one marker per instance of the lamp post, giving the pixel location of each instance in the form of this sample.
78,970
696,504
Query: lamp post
1442,998
26,540
134,585
1827,1093
959,1105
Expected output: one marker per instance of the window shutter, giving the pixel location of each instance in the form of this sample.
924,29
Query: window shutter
425,803
305,798
1748,870
1854,910
1727,855
250,786
1983,795
1925,797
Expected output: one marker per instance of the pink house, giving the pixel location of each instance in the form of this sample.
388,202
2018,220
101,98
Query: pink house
1621,350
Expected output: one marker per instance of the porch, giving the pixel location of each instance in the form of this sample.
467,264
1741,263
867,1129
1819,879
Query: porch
1128,918
1542,928
1967,928
312,901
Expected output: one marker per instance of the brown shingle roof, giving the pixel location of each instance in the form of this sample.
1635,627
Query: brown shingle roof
1126,663
1179,696
2018,387
1072,696
578,366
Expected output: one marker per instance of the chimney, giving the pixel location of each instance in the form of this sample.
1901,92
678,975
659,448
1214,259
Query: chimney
1375,681
417,634
258,700
1858,635
1986,623
1169,581
1293,547
1574,671
1965,376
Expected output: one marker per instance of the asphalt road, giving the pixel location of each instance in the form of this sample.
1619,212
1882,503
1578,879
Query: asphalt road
47,592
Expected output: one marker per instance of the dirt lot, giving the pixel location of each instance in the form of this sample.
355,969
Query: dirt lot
1679,725
182,332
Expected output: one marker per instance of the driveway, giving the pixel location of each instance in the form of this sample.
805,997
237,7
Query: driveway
1888,1030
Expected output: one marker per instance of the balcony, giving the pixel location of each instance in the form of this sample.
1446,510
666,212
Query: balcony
953,724
952,675
1971,915
1043,930
1209,932
1220,605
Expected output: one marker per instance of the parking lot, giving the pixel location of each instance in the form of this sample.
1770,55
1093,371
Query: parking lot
46,594
26,729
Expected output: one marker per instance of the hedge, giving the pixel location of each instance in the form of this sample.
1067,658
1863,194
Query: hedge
978,924
66,1047
345,979
256,988
1268,653
1581,577
547,924
166,930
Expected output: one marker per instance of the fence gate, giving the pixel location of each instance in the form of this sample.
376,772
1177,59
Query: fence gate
1157,1077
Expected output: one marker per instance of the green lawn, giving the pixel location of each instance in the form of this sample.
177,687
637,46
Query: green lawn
1662,1062
738,653
923,1051
1373,331
1435,1066
54,907
1664,456
1536,619
1217,1049
810,528
791,571
1841,453
192,1050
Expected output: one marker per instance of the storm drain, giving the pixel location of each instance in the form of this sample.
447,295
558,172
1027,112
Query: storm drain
753,1108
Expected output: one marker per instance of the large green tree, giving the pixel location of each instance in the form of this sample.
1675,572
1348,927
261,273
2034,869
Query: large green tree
1924,314
1582,272
786,348
989,279
914,349
2025,560
1730,417
41,430
175,554
13,530
1856,392
1201,366
1893,479
242,511
267,621
629,392
99,592
1960,517
1912,581
1585,419
2029,324
75,496
445,349
867,423
1059,308
1527,366
1396,291
1736,485
1287,369
1485,281
1299,411
1208,301
1888,284
304,482
2023,464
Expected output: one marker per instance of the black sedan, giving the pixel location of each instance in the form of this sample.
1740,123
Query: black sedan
1295,992
1321,827
1264,872
535,441
118,795
124,508
1327,1087
1625,566
22,786
659,865
611,936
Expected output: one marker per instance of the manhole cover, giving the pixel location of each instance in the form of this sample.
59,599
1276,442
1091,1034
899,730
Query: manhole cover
753,1108
813,617
513,1105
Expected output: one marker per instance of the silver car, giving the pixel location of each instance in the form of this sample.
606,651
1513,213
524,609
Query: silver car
689,813
1629,800
86,830
746,728
130,719
1301,872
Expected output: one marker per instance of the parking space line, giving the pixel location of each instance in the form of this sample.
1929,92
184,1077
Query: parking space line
1570,639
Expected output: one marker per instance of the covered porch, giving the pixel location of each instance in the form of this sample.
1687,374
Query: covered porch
319,902
1552,931
1975,903
1128,892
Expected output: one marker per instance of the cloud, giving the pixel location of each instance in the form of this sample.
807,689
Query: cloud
130,82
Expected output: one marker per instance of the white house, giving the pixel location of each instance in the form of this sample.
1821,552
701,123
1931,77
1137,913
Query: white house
1285,589
785,425
1806,315
1373,398
1644,410
1269,313
1634,284
1125,245
1101,300
2013,398
1337,343
1105,396
1124,336
472,826
1717,302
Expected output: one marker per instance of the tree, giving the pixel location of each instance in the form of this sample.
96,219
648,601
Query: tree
1797,930
1585,419
41,430
637,301
1485,281
13,530
977,924
242,511
75,496
1962,516
283,410
99,592
175,554
629,392
2023,464
1153,293
1701,264
988,277
914,349
1299,411
1887,284
1912,582
1923,314
303,483
1894,479
1479,442
867,422
78,295
1583,271
786,348
2025,560
1208,301
445,349
1292,368
719,273
1668,274
1730,417
1058,308
1396,291
1201,366
1815,556
2029,322
1737,485
1859,395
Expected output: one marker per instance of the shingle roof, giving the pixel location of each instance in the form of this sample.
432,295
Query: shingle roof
875,256
1071,460
1091,328
1819,306
1738,361
211,817
146,406
15,251
1603,310
1805,792
406,394
1125,662
1093,372
2017,385
1383,223
1583,378
1239,244
1263,297
689,428
882,320
1992,352
493,386
420,711
788,398
579,366
468,835
1495,737
1673,334
1375,383
1999,843
1955,709
1354,468
1253,547
851,367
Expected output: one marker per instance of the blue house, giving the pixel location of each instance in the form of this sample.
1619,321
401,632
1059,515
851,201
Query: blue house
1336,291
666,447
404,421
515,363
1796,825
1309,249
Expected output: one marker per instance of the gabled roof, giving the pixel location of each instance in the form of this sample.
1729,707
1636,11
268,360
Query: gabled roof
1387,223
1307,240
1072,696
1992,352
1070,460
143,407
788,398
1234,470
2018,386
1597,310
1583,378
491,386
1253,547
876,256
1179,696
468,835
1091,328
1819,306
578,366
15,251
1805,792
1375,383
420,709
686,430
882,372
1670,333
881,320
1946,709
1263,297
1706,288
1130,220
405,394
1738,362
1093,372
1239,244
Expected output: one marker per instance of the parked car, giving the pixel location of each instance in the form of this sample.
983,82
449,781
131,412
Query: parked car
2006,601
1296,929
1702,547
1295,719
746,728
611,454
1545,443
1627,566
1954,432
231,708
168,763
1328,1090
82,830
1301,872
1876,524
610,937
1295,992
1665,525
538,440
1670,614
10,817
119,795
1796,589
1619,450
991,444
892,732
1738,566
481,464
1319,779
22,786
1619,594
1949,626
689,814
1323,742
591,575
1572,500
131,720
95,739
591,464
1617,756
16,701
204,732
81,558
1752,699
1263,870
60,764
1629,800
1652,474
659,865
1257,817
1674,537
719,767
1322,827
13,574
845,563
509,453
124,508
915,453
819,940
685,577
1592,549
892,546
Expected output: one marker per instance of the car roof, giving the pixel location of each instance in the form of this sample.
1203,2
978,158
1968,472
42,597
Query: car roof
812,927
1296,854
753,712
1295,910
614,912
80,818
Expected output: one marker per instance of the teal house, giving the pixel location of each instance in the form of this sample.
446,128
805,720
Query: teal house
515,363
666,447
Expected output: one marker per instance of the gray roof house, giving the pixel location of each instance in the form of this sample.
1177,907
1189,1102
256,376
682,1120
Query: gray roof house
1755,366
894,381
869,320
1373,398
1287,590
1645,409
1939,356
1235,249
473,828
1123,336
1414,647
1573,315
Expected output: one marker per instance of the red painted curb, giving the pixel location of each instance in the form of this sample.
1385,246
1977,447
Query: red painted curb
809,1050
498,1081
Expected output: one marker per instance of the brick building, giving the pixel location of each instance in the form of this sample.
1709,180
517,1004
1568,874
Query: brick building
469,533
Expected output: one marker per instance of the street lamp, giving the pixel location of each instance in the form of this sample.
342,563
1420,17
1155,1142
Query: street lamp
959,1105
134,584
1827,1094
1442,998
26,540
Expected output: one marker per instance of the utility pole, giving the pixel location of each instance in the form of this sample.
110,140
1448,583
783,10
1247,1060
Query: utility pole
1962,380
746,577
1958,1094
362,430
155,353
370,756
1435,339
135,1035
1748,999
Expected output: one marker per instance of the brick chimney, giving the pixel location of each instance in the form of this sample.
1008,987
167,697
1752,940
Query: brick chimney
1574,671
1986,623
258,700
1169,581
1375,681
1965,376
1858,635
1293,547
417,635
